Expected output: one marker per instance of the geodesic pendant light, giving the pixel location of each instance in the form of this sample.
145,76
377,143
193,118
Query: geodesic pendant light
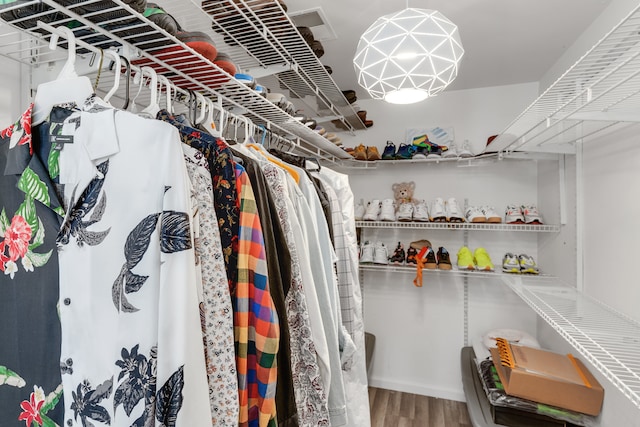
408,56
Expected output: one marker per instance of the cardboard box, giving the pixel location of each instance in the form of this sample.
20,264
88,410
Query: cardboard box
551,378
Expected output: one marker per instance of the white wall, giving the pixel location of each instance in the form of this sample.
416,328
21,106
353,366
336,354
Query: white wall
612,230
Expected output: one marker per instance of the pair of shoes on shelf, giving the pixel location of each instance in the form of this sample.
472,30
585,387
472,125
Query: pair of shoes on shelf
377,210
519,264
369,153
431,260
426,149
310,39
482,214
445,210
350,95
458,151
335,139
374,253
362,115
416,211
479,260
527,214
404,151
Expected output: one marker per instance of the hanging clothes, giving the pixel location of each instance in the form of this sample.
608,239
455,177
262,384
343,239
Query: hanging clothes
355,375
257,320
224,184
256,331
215,304
300,163
310,394
279,273
130,319
321,253
30,216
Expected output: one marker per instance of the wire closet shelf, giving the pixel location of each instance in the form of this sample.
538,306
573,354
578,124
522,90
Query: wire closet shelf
537,228
603,336
113,24
599,94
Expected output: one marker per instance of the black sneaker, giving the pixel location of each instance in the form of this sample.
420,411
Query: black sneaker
444,262
430,261
398,255
412,253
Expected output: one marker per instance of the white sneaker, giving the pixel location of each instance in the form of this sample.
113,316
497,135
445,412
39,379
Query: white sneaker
421,212
454,213
464,150
513,215
437,212
359,211
450,153
405,212
366,253
380,254
474,214
372,211
387,210
531,215
510,263
491,215
527,264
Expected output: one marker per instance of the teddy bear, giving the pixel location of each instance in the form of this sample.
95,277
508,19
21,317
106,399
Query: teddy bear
403,192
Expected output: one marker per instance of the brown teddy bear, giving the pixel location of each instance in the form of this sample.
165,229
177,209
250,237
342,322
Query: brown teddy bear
403,192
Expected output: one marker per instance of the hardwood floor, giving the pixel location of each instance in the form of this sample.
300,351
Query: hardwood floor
396,409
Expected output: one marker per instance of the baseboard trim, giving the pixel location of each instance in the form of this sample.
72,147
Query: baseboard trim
406,387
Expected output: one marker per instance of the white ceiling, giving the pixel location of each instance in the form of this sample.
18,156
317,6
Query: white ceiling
505,41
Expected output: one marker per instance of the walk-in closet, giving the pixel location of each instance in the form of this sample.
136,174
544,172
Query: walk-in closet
308,214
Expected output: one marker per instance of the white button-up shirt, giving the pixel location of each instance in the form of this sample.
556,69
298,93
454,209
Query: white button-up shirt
131,336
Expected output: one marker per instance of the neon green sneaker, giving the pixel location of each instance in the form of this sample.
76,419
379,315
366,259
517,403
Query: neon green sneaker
482,260
465,259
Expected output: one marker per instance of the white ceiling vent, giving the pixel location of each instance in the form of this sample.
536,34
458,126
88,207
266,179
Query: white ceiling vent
315,19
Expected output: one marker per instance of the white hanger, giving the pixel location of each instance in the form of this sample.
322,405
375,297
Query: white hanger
210,123
167,84
153,108
222,118
241,147
203,110
117,68
68,86
138,78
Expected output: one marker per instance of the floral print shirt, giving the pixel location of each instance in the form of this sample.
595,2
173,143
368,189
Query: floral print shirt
30,379
132,352
216,309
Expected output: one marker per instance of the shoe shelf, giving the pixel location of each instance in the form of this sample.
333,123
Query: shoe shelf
599,94
479,226
454,271
605,337
116,25
482,158
263,30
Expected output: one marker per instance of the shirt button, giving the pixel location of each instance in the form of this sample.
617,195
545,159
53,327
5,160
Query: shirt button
69,422
67,301
69,362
